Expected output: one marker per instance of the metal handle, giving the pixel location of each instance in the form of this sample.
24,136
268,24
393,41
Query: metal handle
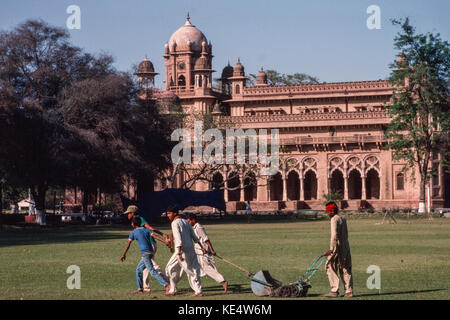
319,260
234,265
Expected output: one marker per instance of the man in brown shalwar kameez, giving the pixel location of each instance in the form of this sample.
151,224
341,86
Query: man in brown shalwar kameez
339,259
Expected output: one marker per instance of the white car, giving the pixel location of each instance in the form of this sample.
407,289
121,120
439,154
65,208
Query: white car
68,217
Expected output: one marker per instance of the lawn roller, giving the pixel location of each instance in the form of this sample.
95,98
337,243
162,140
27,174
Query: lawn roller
263,284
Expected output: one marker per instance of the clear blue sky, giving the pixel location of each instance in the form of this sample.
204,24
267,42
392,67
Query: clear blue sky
328,39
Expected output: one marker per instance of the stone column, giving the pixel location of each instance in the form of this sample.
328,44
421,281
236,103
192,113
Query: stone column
302,188
225,184
242,196
363,187
284,187
258,189
345,186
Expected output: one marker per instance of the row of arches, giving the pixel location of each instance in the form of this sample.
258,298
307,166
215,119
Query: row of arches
275,186
354,186
293,186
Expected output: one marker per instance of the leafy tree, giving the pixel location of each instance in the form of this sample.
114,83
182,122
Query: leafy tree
70,119
420,112
36,63
276,78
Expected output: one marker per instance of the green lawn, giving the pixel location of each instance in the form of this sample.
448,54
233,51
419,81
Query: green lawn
414,259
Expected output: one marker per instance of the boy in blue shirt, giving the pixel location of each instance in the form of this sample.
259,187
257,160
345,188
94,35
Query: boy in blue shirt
143,237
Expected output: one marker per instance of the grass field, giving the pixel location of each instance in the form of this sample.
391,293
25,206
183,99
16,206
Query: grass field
414,259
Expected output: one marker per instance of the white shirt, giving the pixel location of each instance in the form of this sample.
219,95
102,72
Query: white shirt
202,236
183,234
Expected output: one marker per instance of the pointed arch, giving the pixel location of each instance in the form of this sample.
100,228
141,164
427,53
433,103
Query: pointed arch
293,185
233,183
310,185
276,187
372,184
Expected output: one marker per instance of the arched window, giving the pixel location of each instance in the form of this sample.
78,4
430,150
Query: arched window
400,181
181,81
237,89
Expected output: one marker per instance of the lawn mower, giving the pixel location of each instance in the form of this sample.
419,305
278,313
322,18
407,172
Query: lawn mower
263,284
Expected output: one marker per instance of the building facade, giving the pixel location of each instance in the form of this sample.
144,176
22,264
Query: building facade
331,134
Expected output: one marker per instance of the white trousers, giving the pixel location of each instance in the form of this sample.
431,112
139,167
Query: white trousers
209,267
176,268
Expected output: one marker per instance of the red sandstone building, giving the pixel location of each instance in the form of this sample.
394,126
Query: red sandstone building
331,134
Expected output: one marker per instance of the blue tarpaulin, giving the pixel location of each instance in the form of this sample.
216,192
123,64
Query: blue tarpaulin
153,204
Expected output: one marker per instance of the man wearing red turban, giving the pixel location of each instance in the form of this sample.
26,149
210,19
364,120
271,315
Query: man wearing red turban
339,259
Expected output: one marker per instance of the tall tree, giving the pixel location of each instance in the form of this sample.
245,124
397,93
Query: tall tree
420,112
36,63
276,78
70,119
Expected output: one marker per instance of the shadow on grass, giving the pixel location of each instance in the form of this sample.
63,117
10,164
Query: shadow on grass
31,235
232,289
395,293
243,222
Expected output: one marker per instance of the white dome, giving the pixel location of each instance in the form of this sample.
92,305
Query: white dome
188,37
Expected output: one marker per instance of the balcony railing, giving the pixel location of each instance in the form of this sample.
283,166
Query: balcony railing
332,140
307,117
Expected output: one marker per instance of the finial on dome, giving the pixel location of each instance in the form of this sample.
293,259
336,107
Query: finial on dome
188,20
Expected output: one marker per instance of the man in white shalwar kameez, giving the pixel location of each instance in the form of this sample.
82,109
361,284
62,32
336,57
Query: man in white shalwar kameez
207,263
184,258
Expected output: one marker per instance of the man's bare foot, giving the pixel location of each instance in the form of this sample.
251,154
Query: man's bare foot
168,290
225,286
349,295
137,292
197,295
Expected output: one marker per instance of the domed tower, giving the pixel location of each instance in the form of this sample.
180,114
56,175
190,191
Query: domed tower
203,72
185,47
238,79
261,78
227,72
146,78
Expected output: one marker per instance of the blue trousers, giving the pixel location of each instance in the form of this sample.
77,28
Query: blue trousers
146,262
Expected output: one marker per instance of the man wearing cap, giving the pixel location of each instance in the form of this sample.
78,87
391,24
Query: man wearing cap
132,212
339,260
207,263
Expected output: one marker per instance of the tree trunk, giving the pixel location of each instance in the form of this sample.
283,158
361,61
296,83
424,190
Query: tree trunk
84,201
423,183
1,198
